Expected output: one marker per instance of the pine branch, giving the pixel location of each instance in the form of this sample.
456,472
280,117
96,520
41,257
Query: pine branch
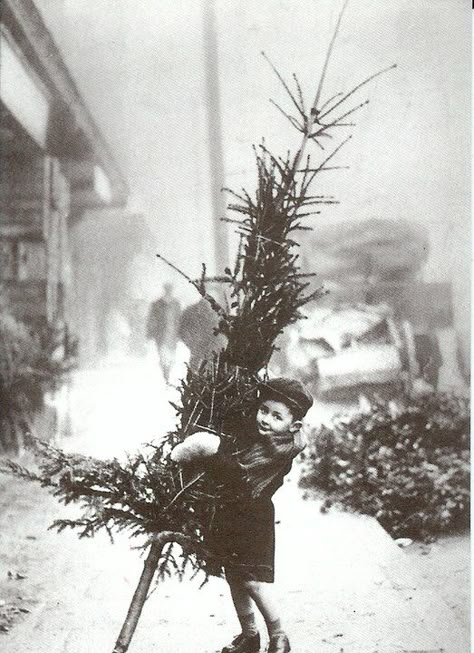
199,287
356,88
20,471
299,108
328,57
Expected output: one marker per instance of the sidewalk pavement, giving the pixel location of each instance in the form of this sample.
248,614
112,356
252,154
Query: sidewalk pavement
345,587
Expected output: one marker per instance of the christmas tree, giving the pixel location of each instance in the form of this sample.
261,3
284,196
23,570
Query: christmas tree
149,495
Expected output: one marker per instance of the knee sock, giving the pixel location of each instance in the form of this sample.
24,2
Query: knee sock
274,627
248,624
262,594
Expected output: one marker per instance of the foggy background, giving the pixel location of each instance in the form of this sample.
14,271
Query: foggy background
140,68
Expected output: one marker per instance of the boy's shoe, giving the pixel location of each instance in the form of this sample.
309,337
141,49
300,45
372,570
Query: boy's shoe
244,644
279,644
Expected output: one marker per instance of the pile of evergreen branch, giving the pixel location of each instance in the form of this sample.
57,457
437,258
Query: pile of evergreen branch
29,368
407,464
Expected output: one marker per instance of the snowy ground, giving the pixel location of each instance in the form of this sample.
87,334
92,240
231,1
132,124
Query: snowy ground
445,564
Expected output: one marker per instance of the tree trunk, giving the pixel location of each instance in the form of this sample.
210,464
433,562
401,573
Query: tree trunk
141,592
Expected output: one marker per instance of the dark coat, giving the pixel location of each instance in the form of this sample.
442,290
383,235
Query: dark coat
197,331
163,321
242,537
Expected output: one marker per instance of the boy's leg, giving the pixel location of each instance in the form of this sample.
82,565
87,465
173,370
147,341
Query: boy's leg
249,639
262,594
244,608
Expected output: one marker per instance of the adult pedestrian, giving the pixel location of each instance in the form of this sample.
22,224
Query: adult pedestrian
163,326
197,330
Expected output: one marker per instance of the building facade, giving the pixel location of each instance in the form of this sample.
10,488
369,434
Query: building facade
54,167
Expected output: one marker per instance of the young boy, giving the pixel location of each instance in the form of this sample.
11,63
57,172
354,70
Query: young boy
243,535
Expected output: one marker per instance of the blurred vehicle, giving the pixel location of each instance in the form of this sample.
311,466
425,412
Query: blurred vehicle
360,365
346,346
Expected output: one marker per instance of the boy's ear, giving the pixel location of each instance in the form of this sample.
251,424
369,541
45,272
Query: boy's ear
296,426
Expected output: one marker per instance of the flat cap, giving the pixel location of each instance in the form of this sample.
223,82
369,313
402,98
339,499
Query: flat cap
290,391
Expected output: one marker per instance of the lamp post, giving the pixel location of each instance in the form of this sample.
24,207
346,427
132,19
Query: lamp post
214,129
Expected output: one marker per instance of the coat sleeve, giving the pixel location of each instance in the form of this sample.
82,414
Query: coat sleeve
151,322
185,327
225,464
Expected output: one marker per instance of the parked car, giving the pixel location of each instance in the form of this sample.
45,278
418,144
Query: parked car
347,346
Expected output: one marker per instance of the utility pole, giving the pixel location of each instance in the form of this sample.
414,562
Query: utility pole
214,130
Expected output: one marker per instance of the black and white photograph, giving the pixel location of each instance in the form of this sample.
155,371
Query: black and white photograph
235,345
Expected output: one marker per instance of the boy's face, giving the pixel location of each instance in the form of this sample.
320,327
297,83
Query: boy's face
275,417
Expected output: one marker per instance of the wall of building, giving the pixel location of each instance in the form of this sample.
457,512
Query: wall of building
109,306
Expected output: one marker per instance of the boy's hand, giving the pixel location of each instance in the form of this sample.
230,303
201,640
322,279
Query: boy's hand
195,447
